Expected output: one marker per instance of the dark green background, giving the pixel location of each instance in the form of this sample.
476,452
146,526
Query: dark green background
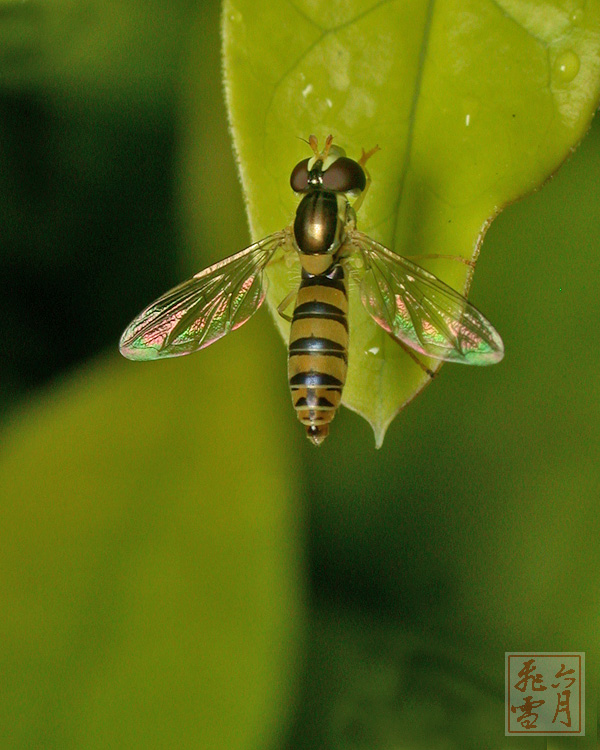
472,532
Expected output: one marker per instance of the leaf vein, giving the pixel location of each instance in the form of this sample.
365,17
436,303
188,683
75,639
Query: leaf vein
412,115
324,33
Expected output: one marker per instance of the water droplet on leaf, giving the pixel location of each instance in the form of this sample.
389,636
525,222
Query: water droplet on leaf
566,66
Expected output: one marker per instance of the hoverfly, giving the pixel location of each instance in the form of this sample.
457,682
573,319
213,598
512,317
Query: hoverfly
412,305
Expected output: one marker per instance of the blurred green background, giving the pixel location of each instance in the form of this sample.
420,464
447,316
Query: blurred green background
179,567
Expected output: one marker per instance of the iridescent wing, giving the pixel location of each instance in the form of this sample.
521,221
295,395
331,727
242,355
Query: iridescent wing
421,311
212,303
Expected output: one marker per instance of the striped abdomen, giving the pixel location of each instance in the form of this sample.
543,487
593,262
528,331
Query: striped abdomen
318,351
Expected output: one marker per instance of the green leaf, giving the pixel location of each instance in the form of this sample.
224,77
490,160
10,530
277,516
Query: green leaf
473,105
149,555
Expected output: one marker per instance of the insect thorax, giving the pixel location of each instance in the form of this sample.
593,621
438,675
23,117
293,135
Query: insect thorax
319,228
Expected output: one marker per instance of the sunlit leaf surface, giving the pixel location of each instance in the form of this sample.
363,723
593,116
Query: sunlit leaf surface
472,103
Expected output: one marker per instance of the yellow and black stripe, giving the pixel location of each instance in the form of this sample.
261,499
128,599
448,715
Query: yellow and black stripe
318,349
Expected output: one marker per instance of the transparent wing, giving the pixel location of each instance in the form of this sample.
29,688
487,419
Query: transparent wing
420,310
212,303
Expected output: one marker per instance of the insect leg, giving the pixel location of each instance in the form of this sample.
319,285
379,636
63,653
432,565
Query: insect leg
415,359
285,303
366,155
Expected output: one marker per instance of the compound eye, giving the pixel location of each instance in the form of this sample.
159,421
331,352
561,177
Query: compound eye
344,175
299,177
